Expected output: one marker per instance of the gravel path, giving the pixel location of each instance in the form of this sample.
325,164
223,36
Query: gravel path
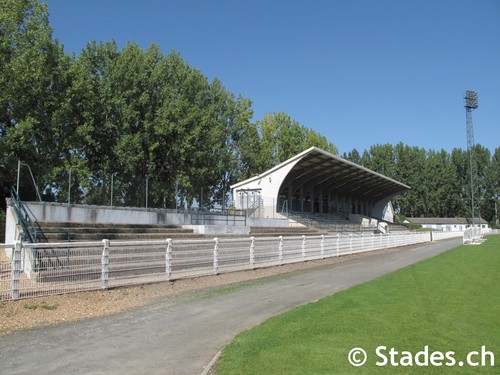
181,325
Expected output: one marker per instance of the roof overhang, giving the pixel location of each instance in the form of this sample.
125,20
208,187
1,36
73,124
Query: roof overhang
325,171
318,170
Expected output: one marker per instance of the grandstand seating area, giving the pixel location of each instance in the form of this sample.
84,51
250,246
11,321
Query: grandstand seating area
73,232
65,231
336,223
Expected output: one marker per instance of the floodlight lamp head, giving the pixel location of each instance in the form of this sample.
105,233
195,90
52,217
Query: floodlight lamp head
470,99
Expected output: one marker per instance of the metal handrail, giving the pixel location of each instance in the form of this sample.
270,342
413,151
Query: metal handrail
29,228
228,217
254,207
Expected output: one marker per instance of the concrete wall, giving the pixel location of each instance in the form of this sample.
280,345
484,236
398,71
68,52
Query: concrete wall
383,209
58,212
266,185
12,230
268,210
267,222
218,229
362,220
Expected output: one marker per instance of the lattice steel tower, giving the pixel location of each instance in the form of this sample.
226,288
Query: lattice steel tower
470,105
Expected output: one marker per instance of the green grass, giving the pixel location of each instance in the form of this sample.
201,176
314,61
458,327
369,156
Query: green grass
450,303
43,305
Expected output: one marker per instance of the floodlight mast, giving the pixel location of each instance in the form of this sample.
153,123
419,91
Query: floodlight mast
470,104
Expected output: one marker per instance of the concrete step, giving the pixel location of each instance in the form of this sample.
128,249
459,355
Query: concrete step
131,229
58,224
291,231
63,231
98,236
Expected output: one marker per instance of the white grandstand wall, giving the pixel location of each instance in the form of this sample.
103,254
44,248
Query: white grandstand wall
59,212
12,230
384,210
364,221
269,209
263,185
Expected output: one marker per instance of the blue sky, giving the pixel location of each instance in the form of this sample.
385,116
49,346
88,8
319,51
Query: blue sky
360,72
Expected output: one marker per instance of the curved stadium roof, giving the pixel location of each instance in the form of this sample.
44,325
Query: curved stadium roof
320,173
328,172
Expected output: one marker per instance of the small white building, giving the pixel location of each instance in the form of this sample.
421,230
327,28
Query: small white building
445,224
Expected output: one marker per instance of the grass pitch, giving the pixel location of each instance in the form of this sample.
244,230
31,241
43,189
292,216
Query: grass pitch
450,303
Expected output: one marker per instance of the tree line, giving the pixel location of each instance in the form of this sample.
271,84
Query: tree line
139,125
439,180
125,119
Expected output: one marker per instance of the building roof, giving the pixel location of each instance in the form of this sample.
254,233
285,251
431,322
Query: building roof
324,171
442,220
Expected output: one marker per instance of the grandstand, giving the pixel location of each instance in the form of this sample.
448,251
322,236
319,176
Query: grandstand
318,189
311,206
313,192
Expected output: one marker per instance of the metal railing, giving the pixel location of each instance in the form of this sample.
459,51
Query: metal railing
30,230
254,207
231,217
472,235
82,266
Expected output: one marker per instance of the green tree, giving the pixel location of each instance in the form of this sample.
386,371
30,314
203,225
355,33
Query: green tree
131,116
353,156
494,178
282,137
485,190
439,177
410,164
34,79
94,116
381,159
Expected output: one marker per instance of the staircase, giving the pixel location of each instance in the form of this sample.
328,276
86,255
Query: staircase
331,223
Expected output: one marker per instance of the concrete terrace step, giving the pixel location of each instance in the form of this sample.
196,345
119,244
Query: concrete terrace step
284,231
63,231
98,236
98,226
83,230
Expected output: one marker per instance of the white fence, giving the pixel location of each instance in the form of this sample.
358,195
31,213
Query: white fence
55,268
472,235
438,236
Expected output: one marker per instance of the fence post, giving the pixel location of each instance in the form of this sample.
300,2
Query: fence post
105,264
323,246
216,256
168,259
362,241
373,236
16,270
338,244
350,243
303,247
252,252
280,250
